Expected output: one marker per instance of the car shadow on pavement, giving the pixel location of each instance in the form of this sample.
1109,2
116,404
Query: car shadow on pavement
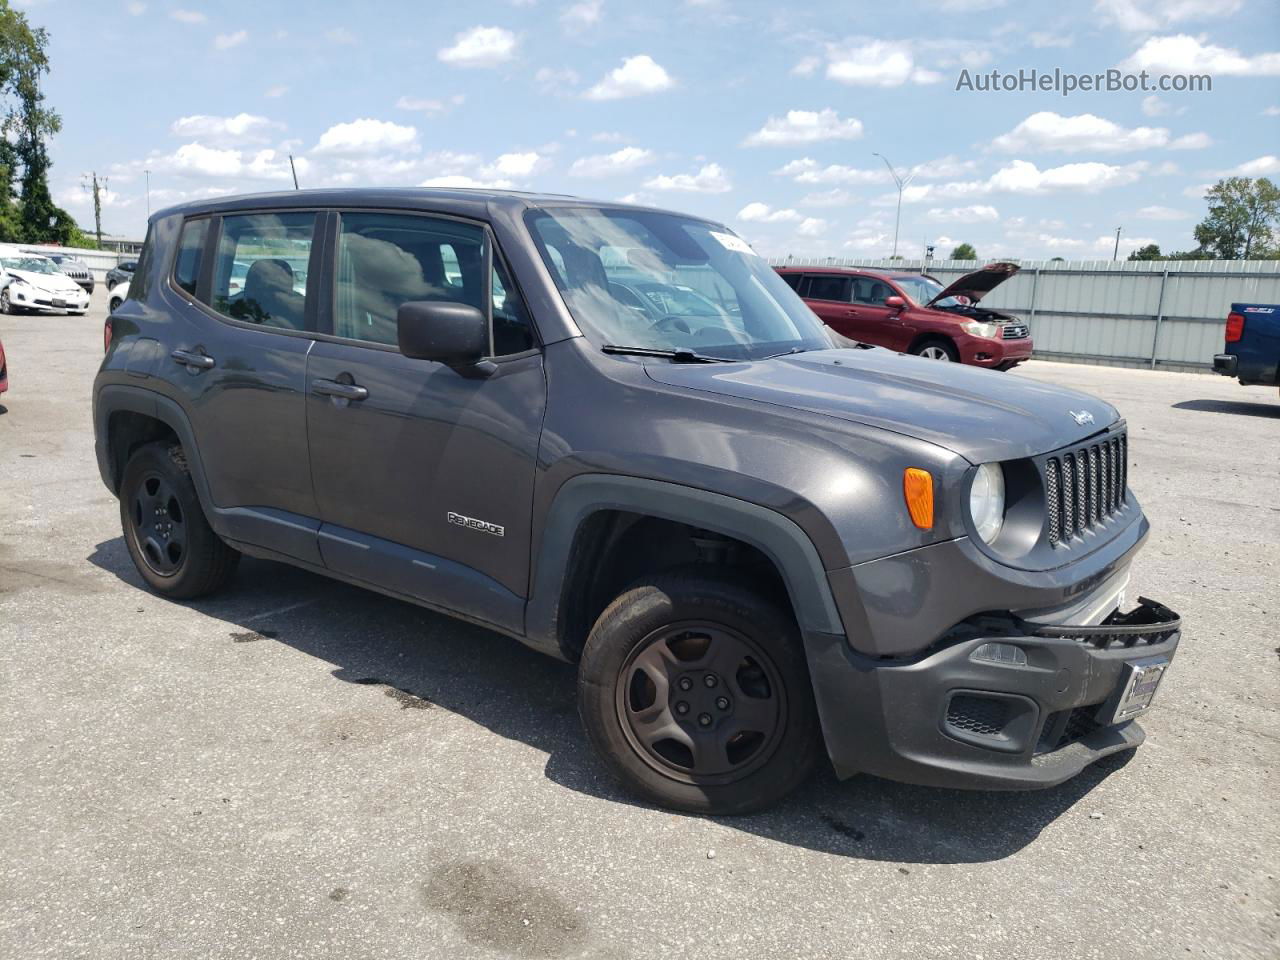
424,659
1241,407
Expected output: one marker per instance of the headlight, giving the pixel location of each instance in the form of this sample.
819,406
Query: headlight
986,501
980,329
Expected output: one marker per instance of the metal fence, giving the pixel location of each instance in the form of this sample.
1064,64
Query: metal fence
1166,314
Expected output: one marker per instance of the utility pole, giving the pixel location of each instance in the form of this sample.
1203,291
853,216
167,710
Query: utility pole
902,184
1115,254
148,174
294,171
97,187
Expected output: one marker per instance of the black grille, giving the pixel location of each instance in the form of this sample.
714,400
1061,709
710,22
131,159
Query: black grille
1015,331
1067,726
983,716
1084,487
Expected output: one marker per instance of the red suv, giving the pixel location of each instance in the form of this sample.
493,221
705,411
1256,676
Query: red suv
914,313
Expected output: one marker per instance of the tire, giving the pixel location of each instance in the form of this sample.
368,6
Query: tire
115,304
6,305
165,529
698,626
937,349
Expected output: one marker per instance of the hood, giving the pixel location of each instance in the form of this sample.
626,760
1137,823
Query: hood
978,284
980,414
46,281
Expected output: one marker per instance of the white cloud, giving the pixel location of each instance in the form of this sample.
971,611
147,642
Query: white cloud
188,16
1048,40
366,136
341,36
1157,212
1107,243
611,164
225,41
1192,141
609,136
807,66
431,106
580,16
279,90
1045,131
1271,112
711,178
480,47
1186,54
977,213
200,161
1023,177
637,75
518,164
967,6
807,170
136,9
243,126
559,81
454,180
805,126
758,212
835,197
1153,106
1144,16
876,63
812,227
1261,167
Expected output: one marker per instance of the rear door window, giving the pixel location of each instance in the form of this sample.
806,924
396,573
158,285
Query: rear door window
186,265
260,275
828,288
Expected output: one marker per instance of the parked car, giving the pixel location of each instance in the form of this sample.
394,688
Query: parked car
118,295
1252,351
915,313
755,546
121,272
76,269
33,283
4,370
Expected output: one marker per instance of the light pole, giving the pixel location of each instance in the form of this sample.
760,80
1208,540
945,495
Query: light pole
902,184
148,175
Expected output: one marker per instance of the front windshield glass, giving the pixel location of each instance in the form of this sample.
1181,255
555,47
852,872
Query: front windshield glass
656,280
923,289
29,264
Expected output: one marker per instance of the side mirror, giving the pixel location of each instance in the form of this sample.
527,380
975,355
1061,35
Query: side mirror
455,334
895,301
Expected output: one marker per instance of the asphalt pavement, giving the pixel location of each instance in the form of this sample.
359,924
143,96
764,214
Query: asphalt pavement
298,768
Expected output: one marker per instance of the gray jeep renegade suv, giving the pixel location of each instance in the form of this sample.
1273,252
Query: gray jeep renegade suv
615,434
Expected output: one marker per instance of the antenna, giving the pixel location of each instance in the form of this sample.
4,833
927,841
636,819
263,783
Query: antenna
294,171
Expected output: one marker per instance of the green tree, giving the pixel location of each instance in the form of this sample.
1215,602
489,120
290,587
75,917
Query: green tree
1150,252
1241,219
31,217
964,252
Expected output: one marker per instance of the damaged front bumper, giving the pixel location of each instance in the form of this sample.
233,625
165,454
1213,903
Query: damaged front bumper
1000,703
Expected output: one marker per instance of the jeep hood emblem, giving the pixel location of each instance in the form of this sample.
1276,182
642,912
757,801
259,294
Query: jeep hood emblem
1081,417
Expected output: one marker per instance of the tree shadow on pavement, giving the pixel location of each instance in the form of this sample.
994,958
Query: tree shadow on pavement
1243,408
427,658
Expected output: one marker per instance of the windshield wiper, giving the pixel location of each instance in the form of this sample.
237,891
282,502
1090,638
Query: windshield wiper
681,355
786,353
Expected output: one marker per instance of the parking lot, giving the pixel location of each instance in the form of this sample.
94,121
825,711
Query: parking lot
300,768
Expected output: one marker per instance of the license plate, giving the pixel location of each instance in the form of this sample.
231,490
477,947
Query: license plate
59,302
1139,681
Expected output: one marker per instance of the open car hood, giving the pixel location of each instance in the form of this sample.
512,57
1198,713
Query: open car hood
978,284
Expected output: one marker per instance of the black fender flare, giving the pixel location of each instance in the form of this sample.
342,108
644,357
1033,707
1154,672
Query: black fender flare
118,397
778,537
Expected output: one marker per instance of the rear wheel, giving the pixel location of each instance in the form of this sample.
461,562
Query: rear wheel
937,350
165,529
695,692
115,304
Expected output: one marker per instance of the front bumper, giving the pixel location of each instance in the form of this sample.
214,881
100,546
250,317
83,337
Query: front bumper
1002,704
995,352
41,301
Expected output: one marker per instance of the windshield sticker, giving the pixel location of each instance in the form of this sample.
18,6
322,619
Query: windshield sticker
736,244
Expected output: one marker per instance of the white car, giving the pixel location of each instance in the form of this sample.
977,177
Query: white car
32,282
117,295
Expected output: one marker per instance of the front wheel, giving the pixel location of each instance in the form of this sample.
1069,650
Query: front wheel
937,350
695,692
165,529
6,305
115,304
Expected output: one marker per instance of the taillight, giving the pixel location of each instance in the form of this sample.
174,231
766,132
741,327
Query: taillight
106,336
1235,327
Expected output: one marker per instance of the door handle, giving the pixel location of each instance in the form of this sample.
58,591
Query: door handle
343,391
192,360
851,312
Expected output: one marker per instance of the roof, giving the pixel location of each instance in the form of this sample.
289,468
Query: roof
851,271
463,201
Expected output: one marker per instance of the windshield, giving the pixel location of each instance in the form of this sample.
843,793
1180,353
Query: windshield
664,282
29,264
923,289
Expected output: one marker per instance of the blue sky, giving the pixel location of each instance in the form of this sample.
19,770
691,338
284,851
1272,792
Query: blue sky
763,116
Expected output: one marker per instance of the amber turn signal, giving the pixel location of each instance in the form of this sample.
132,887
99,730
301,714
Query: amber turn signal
917,488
